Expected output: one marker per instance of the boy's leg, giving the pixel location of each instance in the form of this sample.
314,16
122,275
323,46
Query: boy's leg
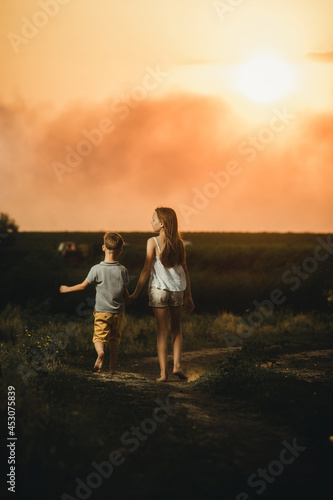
99,339
115,325
177,339
99,346
114,350
161,316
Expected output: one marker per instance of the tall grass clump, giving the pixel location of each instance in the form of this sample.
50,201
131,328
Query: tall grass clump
258,385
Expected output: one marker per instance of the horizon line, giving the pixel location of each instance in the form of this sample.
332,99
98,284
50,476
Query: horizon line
181,231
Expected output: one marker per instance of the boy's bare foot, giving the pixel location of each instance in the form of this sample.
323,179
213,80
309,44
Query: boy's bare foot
162,378
180,374
99,362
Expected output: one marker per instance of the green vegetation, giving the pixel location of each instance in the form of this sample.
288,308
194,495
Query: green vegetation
253,376
7,225
68,417
228,271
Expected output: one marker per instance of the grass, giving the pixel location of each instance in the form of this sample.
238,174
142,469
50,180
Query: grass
228,270
66,418
41,342
252,376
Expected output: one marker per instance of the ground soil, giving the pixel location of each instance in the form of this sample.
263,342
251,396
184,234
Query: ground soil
241,439
209,447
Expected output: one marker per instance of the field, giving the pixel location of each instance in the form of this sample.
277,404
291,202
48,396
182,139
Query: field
255,419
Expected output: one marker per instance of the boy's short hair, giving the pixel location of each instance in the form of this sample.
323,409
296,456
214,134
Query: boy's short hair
113,242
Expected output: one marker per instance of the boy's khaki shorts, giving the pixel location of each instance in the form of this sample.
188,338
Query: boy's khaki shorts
107,327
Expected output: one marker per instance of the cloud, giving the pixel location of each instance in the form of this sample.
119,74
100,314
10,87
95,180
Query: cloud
109,164
320,56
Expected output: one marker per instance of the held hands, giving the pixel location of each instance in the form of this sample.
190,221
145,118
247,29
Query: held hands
188,305
64,289
131,298
127,300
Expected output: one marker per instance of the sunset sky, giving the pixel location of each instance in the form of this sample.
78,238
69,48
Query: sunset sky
222,110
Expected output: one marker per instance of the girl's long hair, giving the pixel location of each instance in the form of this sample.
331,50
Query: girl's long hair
173,253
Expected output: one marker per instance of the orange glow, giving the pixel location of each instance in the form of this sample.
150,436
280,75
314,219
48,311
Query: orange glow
264,79
112,108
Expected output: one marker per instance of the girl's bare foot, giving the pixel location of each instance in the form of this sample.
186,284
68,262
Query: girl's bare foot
162,378
99,362
180,374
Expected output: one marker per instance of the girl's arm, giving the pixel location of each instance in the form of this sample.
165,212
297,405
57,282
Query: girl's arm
75,288
150,255
188,304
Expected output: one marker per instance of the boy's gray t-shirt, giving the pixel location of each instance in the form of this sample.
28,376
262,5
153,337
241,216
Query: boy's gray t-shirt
110,278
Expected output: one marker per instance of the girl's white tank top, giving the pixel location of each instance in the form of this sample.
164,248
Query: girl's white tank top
167,278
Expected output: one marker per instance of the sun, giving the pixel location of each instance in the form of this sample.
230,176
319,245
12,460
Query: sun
264,79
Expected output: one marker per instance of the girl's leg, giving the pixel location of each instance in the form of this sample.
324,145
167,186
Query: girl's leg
161,316
177,339
99,346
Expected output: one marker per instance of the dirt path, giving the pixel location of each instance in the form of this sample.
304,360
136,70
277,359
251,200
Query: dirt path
221,421
142,376
308,365
211,445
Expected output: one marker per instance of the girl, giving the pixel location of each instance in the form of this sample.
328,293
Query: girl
169,279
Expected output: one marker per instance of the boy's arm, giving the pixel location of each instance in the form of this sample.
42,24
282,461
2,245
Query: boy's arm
75,288
150,255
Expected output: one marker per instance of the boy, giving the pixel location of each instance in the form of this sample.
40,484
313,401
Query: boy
111,281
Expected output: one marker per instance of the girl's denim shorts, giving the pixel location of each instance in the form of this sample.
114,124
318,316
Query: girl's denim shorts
164,298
